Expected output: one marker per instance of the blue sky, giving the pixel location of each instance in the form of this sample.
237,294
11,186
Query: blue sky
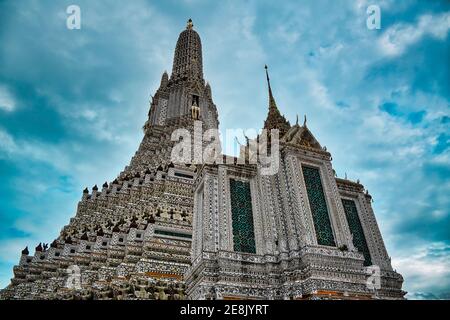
73,102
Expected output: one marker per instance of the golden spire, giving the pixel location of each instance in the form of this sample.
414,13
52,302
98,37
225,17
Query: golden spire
274,118
189,25
272,103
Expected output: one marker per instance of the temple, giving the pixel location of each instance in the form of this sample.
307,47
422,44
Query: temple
173,230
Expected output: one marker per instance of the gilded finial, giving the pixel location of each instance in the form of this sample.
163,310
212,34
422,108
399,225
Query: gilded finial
304,121
296,120
189,25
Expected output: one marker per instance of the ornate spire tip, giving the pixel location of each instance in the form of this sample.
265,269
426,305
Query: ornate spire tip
189,25
267,75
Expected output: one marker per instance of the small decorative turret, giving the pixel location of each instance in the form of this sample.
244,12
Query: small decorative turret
85,195
54,244
164,80
24,257
105,185
94,192
208,90
39,247
133,224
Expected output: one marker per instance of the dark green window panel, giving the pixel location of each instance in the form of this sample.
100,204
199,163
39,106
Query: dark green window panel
318,206
242,216
359,240
183,175
173,234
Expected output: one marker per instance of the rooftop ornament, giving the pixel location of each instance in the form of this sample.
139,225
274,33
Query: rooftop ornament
189,25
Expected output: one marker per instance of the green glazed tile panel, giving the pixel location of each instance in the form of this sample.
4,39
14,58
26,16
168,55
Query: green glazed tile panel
318,206
359,240
242,216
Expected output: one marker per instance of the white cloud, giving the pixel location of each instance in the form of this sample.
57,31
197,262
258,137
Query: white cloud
10,249
7,101
32,150
397,38
425,267
89,114
331,50
7,143
286,35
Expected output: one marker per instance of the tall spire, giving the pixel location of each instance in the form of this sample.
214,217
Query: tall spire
184,88
274,119
187,61
272,103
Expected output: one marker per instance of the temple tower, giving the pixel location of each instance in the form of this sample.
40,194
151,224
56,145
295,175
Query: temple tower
171,230
297,233
131,238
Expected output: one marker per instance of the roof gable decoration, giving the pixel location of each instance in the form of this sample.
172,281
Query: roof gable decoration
301,136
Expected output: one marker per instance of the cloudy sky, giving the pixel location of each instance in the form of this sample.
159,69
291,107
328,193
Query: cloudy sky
73,102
